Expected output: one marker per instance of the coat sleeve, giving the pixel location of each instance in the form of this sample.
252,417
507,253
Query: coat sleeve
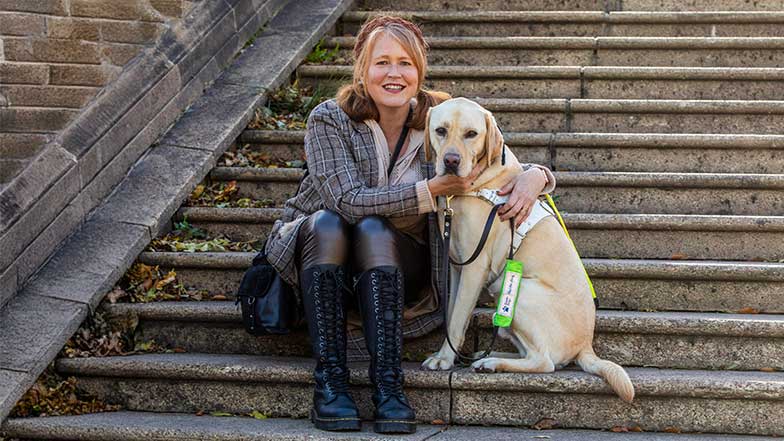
337,178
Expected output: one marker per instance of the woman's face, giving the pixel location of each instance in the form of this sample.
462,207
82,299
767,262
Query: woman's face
392,76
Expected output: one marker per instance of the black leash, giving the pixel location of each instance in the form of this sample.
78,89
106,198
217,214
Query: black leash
448,212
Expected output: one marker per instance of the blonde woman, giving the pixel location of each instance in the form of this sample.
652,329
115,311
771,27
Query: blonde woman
363,225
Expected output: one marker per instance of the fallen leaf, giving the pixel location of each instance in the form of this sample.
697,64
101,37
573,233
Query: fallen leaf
116,294
672,430
258,415
619,429
438,422
221,414
179,350
748,311
545,424
768,369
679,256
200,413
219,297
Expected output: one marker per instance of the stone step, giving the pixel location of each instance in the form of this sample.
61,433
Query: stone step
623,236
597,82
144,426
583,23
628,152
692,401
596,51
591,192
570,5
658,285
678,340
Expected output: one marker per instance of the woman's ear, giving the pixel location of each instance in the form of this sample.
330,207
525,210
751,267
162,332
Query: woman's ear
494,140
427,135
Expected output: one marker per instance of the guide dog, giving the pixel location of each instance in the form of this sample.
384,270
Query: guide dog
553,323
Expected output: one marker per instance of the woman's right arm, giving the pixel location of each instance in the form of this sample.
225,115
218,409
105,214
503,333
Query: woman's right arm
337,177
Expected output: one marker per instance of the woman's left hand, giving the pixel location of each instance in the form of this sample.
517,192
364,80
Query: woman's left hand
523,190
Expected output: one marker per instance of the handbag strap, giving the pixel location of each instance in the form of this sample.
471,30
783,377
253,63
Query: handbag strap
400,141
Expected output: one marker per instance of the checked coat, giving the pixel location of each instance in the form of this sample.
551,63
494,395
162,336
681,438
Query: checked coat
343,177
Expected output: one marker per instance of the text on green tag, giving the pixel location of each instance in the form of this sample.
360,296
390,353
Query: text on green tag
507,301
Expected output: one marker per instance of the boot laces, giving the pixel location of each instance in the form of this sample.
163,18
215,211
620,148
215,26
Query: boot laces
388,304
332,343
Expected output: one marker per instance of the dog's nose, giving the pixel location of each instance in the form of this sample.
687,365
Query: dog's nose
451,162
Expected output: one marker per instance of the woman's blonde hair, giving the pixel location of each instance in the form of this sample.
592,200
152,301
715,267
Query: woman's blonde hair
354,99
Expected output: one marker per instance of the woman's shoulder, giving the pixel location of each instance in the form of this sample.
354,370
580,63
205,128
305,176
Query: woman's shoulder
329,109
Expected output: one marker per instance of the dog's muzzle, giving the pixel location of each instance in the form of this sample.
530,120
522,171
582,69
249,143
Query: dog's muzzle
451,163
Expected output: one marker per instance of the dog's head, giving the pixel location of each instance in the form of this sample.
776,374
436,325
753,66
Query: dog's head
461,133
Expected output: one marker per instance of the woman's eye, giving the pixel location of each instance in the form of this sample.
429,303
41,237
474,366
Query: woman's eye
441,131
381,62
470,134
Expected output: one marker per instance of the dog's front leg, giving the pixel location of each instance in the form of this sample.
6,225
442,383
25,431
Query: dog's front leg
465,292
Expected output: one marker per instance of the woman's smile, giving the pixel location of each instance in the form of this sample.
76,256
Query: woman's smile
392,76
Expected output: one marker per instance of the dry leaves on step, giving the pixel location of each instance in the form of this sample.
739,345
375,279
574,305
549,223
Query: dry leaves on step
545,424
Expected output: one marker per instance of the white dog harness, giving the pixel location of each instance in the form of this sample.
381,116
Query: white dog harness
539,211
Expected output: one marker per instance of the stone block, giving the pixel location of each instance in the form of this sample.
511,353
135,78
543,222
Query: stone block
216,119
48,96
35,327
8,284
9,168
126,10
136,32
82,74
12,386
114,102
131,123
56,7
42,247
90,262
119,54
22,24
169,8
179,40
73,28
51,50
36,120
156,186
23,73
207,46
25,190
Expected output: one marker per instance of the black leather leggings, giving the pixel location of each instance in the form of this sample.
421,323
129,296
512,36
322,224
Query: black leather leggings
326,238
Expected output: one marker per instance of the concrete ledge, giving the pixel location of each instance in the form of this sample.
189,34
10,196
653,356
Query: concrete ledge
143,426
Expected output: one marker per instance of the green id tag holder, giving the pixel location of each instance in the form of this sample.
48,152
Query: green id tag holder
507,301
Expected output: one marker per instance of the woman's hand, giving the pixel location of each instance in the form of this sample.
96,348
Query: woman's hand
523,190
451,184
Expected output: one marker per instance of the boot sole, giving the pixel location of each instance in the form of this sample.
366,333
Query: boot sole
395,426
335,424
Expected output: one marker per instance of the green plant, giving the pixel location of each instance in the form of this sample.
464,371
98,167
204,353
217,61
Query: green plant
321,54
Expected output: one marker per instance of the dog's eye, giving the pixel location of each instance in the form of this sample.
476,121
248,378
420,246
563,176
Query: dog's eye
441,131
470,134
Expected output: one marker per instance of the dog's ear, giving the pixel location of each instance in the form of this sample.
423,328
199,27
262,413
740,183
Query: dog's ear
494,140
427,135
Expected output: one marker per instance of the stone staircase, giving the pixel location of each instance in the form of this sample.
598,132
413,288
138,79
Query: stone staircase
660,119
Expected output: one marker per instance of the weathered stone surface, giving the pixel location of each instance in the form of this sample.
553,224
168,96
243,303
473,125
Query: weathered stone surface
22,119
114,102
239,382
466,433
82,75
139,426
42,247
215,120
51,51
491,5
207,46
22,24
8,284
90,261
12,386
24,73
169,173
129,10
35,328
42,6
119,54
179,40
47,96
73,28
22,193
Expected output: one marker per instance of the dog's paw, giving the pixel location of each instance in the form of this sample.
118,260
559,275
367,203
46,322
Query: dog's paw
438,362
486,365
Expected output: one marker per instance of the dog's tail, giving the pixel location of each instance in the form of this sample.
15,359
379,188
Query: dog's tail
612,373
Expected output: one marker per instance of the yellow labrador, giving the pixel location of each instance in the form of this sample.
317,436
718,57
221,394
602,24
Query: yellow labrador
554,320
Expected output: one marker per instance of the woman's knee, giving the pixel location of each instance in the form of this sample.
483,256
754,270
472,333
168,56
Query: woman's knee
375,243
324,239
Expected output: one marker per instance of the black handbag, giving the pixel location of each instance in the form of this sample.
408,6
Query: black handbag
268,303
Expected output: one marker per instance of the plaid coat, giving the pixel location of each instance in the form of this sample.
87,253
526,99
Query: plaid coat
343,177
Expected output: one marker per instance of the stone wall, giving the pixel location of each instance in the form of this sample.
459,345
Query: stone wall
73,157
55,55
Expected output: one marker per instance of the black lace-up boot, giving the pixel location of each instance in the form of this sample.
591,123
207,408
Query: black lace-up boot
323,288
381,296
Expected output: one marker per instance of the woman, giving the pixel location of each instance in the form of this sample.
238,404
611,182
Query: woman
350,221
